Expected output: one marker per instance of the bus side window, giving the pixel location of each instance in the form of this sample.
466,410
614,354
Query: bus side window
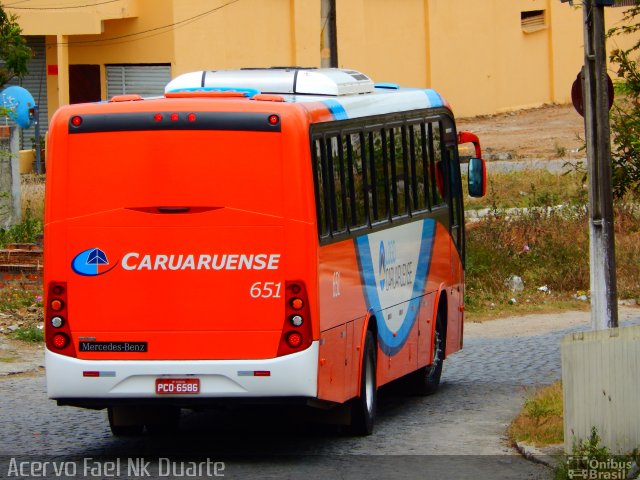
418,178
355,154
321,187
341,187
398,162
436,163
379,175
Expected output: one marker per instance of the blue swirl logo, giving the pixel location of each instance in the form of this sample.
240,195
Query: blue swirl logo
91,262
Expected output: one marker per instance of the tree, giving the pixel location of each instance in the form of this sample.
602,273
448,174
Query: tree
14,55
14,52
625,115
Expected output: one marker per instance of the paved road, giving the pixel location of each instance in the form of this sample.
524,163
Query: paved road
457,433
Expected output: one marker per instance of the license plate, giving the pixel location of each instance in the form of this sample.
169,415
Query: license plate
177,386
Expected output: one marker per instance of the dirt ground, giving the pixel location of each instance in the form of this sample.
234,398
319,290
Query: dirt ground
548,132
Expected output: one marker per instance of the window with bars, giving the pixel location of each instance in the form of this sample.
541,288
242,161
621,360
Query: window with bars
368,177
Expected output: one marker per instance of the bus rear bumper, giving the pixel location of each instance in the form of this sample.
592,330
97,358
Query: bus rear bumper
294,375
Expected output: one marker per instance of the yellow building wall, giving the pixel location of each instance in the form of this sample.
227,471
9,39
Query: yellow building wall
386,40
53,17
474,52
492,65
248,33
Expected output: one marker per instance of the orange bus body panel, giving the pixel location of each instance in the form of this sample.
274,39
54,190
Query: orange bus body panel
188,226
180,282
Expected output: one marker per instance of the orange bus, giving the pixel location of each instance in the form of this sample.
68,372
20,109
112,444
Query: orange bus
285,234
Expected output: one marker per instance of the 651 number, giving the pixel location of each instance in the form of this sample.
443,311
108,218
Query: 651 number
265,290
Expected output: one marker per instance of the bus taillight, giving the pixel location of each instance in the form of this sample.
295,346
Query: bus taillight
296,331
57,331
60,340
294,339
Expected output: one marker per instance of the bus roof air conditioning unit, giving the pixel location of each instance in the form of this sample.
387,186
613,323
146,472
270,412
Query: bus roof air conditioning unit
292,81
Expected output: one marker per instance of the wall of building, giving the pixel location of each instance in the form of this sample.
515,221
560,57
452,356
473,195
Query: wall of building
388,44
248,33
476,53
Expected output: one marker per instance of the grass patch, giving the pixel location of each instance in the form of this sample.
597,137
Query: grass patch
548,248
531,188
29,334
528,306
541,421
32,196
25,232
13,299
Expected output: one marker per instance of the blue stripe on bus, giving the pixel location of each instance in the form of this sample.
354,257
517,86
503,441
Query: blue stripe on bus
434,98
336,109
391,343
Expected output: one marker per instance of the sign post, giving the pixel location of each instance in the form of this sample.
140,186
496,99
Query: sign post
604,306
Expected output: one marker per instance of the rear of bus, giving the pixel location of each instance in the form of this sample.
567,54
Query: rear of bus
173,261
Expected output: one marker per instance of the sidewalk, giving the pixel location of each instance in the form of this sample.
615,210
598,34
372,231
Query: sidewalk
18,357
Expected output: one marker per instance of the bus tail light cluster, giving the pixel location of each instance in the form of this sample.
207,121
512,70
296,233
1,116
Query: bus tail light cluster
296,332
56,327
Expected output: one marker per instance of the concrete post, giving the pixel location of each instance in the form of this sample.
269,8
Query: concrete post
604,307
10,208
16,186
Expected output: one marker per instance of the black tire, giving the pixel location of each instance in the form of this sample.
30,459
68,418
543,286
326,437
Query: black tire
425,381
119,429
363,408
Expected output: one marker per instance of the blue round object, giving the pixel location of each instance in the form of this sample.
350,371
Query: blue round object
19,104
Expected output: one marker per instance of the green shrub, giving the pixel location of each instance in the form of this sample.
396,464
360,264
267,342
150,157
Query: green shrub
589,459
29,334
25,232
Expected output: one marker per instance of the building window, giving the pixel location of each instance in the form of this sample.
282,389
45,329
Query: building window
533,21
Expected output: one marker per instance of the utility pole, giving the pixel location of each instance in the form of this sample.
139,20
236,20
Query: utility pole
604,304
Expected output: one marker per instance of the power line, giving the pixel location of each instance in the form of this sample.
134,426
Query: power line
60,8
155,29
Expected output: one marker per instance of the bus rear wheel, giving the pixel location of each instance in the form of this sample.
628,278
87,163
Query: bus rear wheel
363,408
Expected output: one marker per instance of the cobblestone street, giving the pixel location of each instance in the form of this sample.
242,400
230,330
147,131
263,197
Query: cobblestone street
457,433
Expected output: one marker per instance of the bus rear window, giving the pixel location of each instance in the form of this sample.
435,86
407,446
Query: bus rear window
235,169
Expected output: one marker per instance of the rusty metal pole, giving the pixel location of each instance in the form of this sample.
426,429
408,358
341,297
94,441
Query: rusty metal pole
604,305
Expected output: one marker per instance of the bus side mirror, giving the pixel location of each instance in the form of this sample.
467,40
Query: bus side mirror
477,177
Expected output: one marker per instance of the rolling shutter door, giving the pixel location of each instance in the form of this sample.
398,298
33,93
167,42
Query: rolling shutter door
145,80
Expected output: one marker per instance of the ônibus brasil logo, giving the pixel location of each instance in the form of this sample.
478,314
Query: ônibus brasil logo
91,262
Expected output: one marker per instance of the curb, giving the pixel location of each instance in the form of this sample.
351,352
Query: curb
549,457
